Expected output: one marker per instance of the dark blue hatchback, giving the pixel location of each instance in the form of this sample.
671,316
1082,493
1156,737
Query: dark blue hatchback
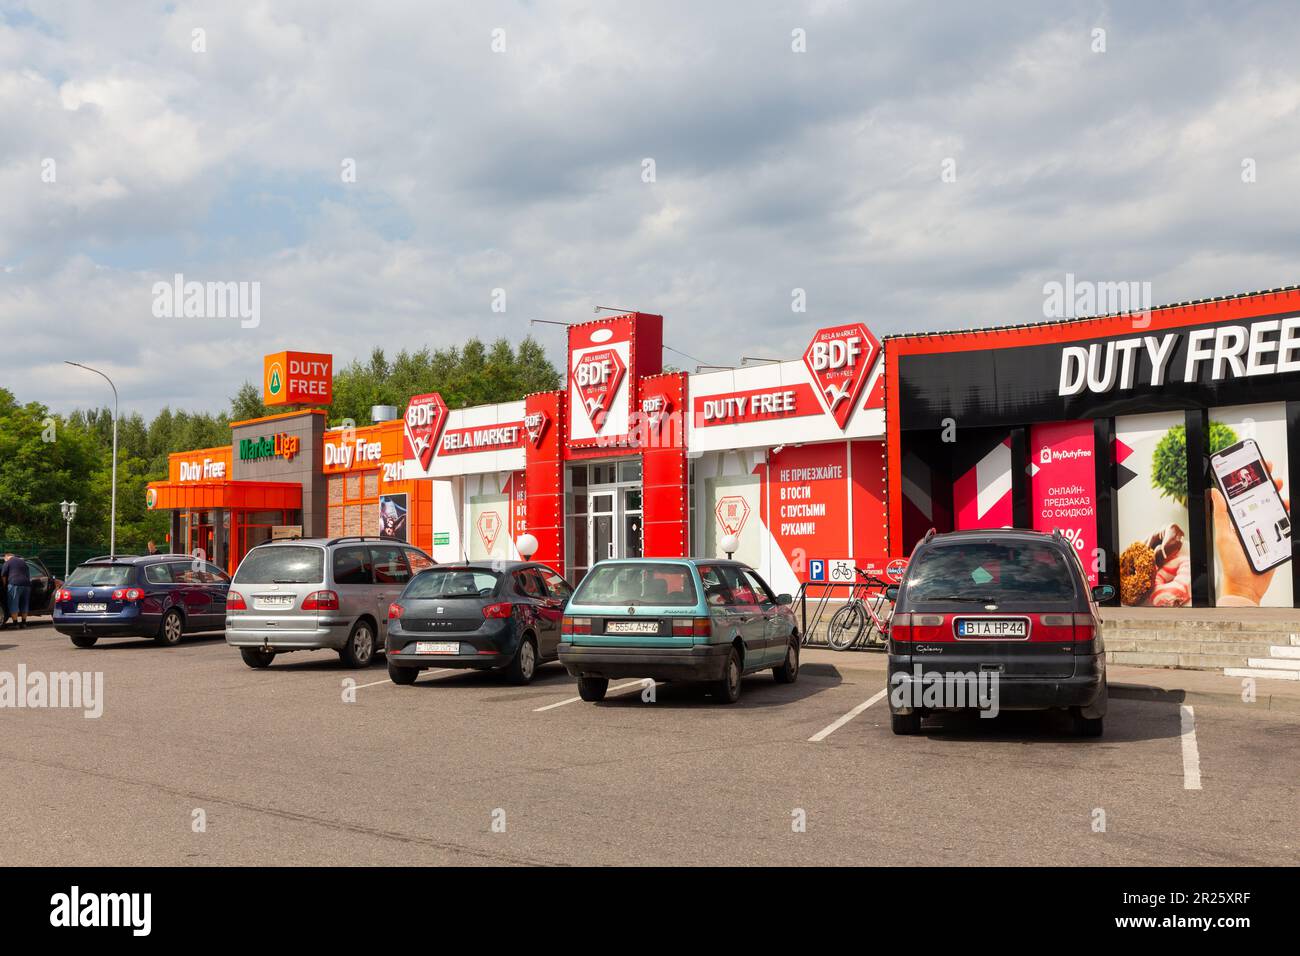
162,596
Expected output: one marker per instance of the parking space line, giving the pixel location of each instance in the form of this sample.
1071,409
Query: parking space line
841,721
635,683
439,670
1191,753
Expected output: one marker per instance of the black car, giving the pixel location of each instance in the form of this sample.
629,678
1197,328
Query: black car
502,616
162,596
1007,611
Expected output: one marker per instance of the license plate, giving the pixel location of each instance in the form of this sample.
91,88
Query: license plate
631,627
993,628
275,600
87,608
437,647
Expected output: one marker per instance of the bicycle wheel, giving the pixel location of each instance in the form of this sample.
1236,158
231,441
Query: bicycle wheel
845,627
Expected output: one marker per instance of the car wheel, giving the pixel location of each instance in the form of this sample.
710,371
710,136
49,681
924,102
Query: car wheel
359,651
402,675
171,629
256,657
83,640
789,668
728,689
1087,726
905,724
592,688
524,666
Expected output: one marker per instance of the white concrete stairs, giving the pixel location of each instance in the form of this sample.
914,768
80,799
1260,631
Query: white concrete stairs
1282,663
1257,648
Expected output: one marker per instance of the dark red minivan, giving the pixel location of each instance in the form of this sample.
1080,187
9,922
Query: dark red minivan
1006,611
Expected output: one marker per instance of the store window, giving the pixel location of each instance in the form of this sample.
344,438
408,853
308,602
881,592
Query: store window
352,503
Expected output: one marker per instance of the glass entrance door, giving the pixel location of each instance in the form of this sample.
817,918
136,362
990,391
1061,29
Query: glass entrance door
614,521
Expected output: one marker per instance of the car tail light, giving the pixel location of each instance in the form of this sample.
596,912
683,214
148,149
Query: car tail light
394,611
576,625
235,601
693,627
1085,628
900,627
64,595
497,611
128,594
321,601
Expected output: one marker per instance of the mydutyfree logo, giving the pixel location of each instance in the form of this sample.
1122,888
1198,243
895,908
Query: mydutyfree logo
38,690
74,909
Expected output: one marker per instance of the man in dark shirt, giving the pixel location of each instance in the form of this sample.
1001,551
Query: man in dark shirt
18,585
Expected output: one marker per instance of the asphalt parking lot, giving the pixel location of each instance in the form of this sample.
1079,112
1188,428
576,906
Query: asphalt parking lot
280,767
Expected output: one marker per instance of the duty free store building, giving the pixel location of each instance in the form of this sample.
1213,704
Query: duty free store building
1106,428
627,460
1153,440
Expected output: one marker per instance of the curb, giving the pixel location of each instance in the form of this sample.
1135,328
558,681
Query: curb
1207,697
1122,690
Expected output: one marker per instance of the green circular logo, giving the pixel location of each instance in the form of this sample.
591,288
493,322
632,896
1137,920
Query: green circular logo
275,380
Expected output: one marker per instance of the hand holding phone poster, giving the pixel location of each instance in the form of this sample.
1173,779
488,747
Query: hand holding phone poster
1250,505
392,517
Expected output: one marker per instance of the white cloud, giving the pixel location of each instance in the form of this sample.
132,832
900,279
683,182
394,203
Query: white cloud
522,171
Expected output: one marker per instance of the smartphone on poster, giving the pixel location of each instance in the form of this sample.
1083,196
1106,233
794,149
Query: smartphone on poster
1254,504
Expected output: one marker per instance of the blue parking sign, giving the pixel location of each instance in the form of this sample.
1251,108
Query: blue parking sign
816,570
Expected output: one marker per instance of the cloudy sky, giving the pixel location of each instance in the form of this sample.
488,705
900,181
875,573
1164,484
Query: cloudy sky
133,148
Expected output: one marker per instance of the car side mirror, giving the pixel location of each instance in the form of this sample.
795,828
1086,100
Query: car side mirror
891,592
784,599
1103,593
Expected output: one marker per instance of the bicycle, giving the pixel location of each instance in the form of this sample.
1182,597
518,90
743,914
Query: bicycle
863,618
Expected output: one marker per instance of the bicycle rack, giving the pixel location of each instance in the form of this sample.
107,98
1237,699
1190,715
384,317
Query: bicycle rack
828,590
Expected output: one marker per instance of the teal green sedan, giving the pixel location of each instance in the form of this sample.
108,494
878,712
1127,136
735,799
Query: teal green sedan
677,619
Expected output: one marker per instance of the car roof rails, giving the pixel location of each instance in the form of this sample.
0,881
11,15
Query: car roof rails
109,557
928,535
360,537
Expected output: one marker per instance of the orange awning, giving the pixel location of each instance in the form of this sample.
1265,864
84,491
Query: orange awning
205,495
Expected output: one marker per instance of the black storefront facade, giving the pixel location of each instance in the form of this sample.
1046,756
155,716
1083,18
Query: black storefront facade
1154,441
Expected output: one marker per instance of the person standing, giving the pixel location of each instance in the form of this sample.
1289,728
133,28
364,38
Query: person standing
18,587
153,548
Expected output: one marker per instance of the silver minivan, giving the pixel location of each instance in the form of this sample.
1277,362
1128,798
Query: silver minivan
317,593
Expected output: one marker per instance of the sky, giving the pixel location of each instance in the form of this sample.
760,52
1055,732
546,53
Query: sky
408,174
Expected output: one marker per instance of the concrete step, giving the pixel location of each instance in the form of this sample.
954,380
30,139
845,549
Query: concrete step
1261,674
1273,663
1172,632
1287,651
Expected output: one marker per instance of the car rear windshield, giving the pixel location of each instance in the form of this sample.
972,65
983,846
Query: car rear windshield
666,585
100,576
282,564
451,583
990,571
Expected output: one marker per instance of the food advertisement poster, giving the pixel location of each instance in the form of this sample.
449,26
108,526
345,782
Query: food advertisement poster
1151,464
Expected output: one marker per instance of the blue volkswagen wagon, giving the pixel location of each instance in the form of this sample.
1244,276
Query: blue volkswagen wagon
682,619
163,596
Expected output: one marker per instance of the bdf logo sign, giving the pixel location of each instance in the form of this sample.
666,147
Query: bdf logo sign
839,360
425,416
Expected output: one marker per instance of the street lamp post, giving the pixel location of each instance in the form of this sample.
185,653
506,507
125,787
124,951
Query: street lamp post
112,515
69,509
